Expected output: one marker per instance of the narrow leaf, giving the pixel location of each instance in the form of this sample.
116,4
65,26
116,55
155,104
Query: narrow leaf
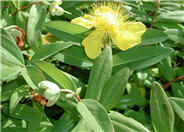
125,124
66,31
100,74
114,89
139,58
56,74
95,115
50,49
161,111
178,106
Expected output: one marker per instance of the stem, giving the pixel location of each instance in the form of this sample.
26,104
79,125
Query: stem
154,18
174,80
25,7
77,98
105,43
71,92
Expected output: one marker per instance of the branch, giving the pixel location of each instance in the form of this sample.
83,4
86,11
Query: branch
154,18
174,80
25,7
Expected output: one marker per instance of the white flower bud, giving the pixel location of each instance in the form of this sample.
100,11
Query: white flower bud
51,93
78,91
69,95
56,10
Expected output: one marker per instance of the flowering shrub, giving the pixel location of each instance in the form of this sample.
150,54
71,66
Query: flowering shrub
92,66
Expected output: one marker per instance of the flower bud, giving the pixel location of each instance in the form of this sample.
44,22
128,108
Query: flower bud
69,95
51,93
55,9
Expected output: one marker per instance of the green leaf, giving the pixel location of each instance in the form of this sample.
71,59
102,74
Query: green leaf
29,114
28,79
140,116
35,74
176,35
178,106
66,31
7,89
75,56
139,58
130,101
56,74
22,19
114,89
10,51
12,59
34,26
125,124
153,36
100,74
178,89
165,68
82,126
95,115
171,17
49,49
18,94
162,114
14,129
64,124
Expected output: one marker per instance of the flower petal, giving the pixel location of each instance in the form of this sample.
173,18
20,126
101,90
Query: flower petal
86,21
128,35
93,44
125,40
136,28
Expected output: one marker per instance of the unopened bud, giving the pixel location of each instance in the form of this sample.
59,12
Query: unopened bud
51,93
69,95
56,10
78,91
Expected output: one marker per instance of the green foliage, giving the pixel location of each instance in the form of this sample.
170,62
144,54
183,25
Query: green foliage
137,90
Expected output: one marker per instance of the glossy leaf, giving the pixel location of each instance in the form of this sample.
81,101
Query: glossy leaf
162,114
36,18
75,56
153,36
139,58
100,74
28,79
56,74
176,35
64,124
18,94
66,31
11,57
178,89
50,49
122,123
165,68
95,115
171,17
82,126
25,112
114,89
178,106
35,74
130,101
7,89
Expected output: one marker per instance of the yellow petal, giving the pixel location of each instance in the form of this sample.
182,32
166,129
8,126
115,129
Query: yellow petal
125,40
137,28
86,21
93,44
128,35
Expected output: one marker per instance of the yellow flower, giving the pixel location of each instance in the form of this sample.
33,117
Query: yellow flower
110,22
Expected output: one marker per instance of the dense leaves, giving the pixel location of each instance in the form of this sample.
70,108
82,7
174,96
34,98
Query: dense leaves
43,59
